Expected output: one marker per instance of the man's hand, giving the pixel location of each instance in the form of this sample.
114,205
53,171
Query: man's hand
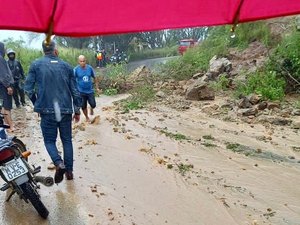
76,118
10,91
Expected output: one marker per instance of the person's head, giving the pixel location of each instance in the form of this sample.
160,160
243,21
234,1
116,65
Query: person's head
82,61
11,54
49,48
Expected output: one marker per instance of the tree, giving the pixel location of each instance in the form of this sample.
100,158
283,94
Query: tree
79,43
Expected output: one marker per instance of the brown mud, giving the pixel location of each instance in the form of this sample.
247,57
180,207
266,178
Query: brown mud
162,166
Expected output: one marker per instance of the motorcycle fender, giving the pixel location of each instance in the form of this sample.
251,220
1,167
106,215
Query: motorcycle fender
22,179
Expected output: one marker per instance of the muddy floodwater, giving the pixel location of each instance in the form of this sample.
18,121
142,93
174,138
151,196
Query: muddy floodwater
160,166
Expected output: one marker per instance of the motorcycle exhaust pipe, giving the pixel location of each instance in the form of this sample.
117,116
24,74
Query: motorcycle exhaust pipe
47,181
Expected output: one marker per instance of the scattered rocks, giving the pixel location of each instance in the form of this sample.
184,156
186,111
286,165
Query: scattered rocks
199,90
160,94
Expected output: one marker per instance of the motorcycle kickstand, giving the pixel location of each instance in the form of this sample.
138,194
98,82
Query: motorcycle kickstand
10,195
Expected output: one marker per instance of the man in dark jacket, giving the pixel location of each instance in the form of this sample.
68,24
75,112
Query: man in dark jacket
6,90
18,75
54,99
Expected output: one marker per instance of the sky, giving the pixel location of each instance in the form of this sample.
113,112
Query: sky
21,35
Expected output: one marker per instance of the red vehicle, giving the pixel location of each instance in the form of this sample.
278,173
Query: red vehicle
184,44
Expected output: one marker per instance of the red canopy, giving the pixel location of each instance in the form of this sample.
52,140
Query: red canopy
94,17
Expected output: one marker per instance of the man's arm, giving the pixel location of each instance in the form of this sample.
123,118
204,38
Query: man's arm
30,84
21,70
6,77
77,100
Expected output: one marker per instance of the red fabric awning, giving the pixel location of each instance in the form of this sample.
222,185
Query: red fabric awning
93,17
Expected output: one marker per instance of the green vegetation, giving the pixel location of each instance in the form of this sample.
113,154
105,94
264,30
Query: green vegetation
115,71
26,56
140,96
233,146
184,168
209,145
297,104
268,85
285,61
176,136
218,42
70,55
280,75
221,84
208,137
110,91
154,53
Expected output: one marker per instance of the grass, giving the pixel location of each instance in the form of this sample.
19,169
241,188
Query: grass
184,168
154,53
297,104
235,147
140,96
208,137
209,145
176,136
110,91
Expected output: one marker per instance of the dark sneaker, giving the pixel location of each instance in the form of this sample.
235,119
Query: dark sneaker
69,175
59,173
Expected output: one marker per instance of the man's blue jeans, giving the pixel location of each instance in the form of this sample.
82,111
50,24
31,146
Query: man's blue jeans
50,128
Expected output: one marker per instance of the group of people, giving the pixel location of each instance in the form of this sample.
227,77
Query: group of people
11,80
57,92
101,58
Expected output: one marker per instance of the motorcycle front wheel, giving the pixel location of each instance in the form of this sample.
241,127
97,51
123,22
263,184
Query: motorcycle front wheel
30,194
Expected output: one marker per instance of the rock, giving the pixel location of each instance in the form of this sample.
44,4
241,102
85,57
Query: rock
219,66
96,120
81,127
247,112
262,105
244,103
227,106
254,99
273,105
296,124
197,75
182,83
296,112
160,94
281,121
210,109
274,120
285,113
199,90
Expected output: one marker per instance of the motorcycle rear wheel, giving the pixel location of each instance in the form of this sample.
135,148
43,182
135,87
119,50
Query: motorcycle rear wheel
35,200
20,146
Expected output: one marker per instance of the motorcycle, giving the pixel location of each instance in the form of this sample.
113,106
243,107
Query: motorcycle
19,176
119,58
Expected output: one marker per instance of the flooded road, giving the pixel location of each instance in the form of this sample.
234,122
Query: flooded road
133,169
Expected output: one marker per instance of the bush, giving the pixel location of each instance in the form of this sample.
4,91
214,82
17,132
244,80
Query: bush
154,53
285,60
268,85
110,91
221,84
26,56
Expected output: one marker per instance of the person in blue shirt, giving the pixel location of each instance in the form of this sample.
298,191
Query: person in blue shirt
85,78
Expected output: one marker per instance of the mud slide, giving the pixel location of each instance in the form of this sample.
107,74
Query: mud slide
160,166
